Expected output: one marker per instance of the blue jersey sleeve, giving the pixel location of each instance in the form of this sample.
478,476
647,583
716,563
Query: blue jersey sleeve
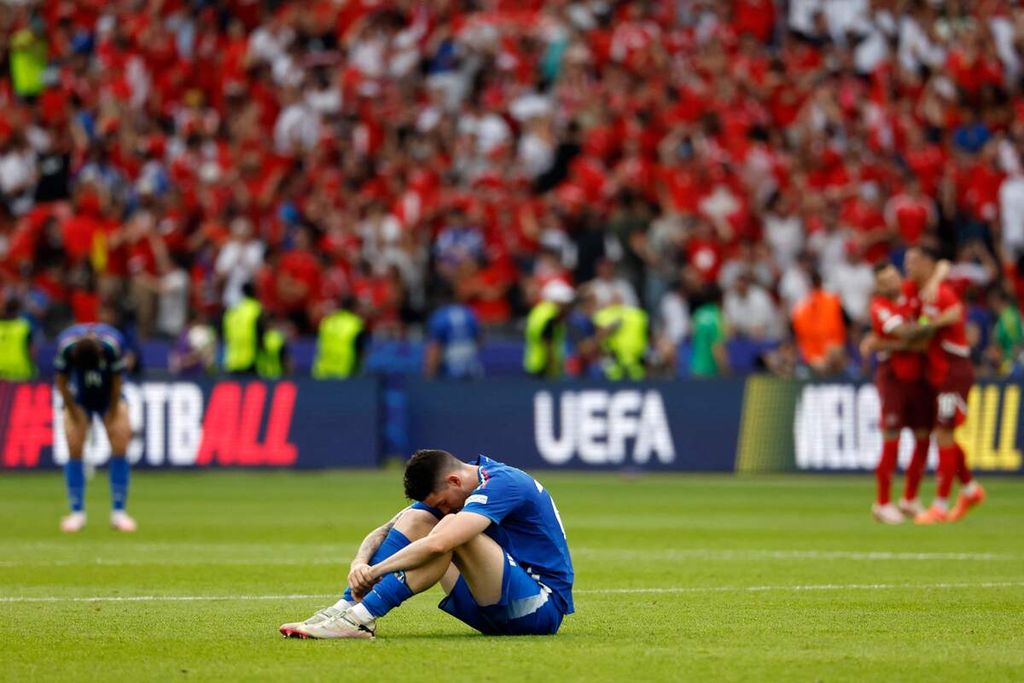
65,342
113,347
495,498
426,508
436,327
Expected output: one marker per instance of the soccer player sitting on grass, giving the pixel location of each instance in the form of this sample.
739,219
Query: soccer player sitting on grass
488,533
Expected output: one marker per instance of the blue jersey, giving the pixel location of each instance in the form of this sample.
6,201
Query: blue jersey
91,388
457,330
525,522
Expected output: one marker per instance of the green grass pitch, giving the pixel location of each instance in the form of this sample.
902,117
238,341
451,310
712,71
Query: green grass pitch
677,578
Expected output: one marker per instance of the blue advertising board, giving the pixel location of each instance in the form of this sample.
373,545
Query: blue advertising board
581,425
303,424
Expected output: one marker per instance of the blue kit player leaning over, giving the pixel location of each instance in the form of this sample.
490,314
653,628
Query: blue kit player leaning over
89,367
488,533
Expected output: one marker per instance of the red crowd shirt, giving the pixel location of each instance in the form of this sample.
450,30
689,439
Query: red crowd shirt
886,316
910,215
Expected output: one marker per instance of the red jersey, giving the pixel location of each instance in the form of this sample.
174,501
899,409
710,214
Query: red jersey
949,344
886,316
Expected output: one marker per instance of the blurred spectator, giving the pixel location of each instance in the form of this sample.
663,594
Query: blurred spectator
453,342
608,287
820,330
544,352
673,325
377,149
710,334
297,281
16,348
795,283
239,260
854,281
749,310
1008,337
274,359
342,343
194,351
243,328
623,332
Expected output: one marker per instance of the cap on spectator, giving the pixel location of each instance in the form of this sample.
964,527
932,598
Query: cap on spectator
557,292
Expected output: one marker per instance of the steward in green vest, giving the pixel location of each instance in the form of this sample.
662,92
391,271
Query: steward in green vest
15,345
544,351
28,61
273,360
623,330
243,332
341,344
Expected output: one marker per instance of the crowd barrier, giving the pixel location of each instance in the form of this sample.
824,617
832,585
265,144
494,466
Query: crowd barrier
752,425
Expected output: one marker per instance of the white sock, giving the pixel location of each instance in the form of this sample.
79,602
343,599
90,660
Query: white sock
941,503
343,604
361,615
970,488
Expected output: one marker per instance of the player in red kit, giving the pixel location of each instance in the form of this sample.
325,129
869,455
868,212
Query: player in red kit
907,400
950,373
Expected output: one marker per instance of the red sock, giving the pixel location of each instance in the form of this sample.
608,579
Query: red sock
886,466
947,470
963,473
915,470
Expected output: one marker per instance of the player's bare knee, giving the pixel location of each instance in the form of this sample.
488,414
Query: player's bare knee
415,524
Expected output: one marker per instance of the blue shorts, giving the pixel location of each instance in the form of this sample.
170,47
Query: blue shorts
527,607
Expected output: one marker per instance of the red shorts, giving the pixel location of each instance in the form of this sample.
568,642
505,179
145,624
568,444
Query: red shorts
951,393
905,403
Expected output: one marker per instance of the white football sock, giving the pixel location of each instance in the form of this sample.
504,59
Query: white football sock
361,615
343,604
941,503
970,489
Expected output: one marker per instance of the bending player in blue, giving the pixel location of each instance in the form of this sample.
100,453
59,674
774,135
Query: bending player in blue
89,366
488,533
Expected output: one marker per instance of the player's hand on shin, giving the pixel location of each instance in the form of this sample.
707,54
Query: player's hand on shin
360,579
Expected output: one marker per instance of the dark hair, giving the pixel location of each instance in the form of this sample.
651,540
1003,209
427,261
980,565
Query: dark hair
85,354
881,265
424,471
816,279
928,252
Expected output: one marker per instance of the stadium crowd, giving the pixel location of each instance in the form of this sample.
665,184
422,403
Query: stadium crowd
732,168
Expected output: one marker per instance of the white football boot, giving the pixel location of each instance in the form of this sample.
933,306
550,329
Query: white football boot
73,523
911,508
122,521
337,625
887,514
294,629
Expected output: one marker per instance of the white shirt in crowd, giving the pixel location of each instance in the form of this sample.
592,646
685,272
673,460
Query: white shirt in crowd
785,237
238,262
1011,211
298,125
606,291
752,314
853,282
794,286
674,317
172,305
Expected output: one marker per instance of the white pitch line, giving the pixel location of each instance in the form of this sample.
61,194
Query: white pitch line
714,554
806,587
602,591
171,598
598,553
